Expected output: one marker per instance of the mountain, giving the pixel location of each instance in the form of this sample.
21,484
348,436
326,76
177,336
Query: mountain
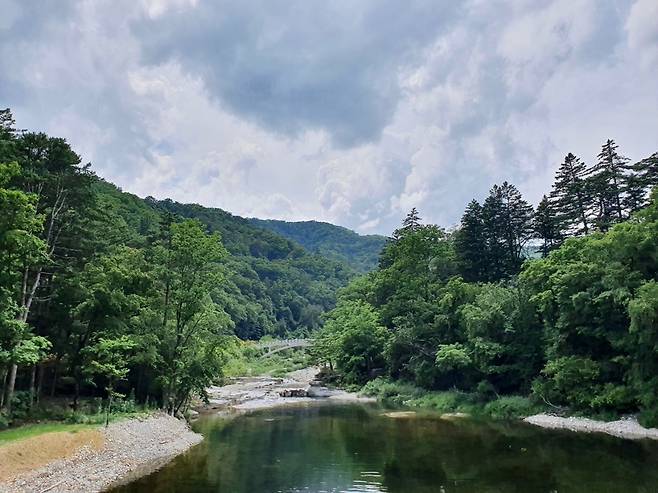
273,285
361,252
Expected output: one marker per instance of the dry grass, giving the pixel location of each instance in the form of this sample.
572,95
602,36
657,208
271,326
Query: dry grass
31,453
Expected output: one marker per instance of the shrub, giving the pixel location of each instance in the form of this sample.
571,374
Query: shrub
510,407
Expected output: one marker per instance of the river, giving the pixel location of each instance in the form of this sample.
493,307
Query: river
359,448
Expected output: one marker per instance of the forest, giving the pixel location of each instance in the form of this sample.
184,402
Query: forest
108,296
104,295
554,307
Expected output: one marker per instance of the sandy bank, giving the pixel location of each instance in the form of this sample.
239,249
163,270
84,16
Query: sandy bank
130,446
623,428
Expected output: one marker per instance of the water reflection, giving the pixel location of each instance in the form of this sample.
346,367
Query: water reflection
334,448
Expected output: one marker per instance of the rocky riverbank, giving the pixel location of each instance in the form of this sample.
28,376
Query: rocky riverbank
624,428
128,448
250,393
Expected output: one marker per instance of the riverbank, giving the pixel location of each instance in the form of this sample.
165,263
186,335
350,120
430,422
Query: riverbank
95,461
627,428
251,393
455,403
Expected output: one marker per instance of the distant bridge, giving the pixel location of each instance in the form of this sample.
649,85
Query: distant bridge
274,346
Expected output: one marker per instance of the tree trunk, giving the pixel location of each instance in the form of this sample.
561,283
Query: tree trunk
53,386
10,387
76,396
33,379
3,388
39,382
109,406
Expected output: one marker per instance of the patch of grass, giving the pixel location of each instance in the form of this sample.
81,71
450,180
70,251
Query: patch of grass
31,430
70,422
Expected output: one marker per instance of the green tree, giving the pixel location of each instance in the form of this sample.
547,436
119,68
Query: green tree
20,249
471,244
191,325
571,197
110,358
354,338
546,226
508,227
607,182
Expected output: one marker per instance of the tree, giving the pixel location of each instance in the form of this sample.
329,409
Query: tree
110,358
607,182
546,226
471,244
354,338
190,325
640,182
20,249
507,219
410,224
571,197
111,295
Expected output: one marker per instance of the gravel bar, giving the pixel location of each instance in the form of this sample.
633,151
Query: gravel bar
132,447
624,428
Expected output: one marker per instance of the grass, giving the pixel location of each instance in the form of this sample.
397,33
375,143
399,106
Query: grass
450,401
31,430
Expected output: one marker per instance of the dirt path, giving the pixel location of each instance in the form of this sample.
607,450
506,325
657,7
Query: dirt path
249,393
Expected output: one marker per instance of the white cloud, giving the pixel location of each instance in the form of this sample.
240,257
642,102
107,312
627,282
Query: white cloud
342,113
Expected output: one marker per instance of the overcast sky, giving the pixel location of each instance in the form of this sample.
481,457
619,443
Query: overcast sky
350,111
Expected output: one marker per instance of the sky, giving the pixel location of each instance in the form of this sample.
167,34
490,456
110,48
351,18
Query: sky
345,111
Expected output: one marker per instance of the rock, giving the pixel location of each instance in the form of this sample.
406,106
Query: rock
293,393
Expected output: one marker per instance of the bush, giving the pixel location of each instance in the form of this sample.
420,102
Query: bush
391,392
510,407
4,421
449,401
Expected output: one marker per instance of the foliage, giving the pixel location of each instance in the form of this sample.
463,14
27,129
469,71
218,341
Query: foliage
353,340
361,253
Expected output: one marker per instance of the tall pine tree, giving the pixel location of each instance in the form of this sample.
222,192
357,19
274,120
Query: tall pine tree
607,183
571,197
470,244
546,226
640,182
507,222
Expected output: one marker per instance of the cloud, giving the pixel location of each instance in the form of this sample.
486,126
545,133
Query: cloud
295,65
349,112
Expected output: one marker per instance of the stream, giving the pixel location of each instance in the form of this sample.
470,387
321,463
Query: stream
330,447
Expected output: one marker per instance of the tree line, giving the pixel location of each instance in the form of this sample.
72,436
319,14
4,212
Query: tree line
477,311
495,237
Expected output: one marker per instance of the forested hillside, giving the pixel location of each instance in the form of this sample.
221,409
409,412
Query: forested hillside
466,319
330,241
273,286
103,293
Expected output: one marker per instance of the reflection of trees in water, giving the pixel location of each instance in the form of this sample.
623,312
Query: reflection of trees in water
334,447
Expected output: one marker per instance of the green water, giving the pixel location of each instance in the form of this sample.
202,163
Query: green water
355,448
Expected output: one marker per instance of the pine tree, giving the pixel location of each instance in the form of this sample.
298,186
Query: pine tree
507,220
470,244
410,223
607,182
640,182
546,226
635,197
570,197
